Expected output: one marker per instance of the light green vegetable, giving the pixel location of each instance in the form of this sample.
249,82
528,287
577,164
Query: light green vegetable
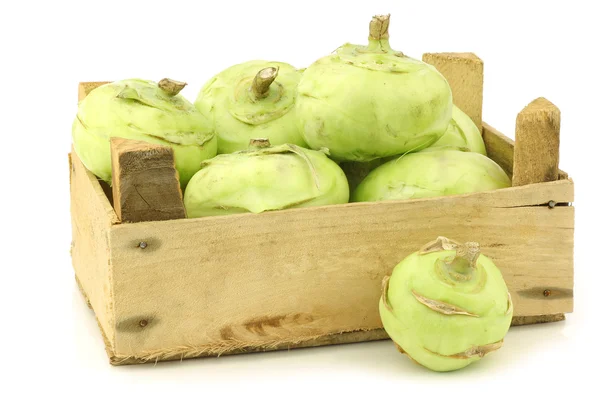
430,174
368,102
142,110
446,306
264,179
462,133
250,100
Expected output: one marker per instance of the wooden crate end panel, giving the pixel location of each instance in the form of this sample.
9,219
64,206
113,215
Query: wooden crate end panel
90,247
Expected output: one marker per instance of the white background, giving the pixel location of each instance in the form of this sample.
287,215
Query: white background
50,342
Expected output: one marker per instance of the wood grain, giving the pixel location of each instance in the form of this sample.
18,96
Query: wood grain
145,183
537,138
86,87
464,73
91,219
226,283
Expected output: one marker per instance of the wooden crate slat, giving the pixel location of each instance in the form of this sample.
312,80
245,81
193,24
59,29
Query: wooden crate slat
268,279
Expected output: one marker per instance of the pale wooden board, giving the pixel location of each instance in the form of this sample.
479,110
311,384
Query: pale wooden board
464,73
341,338
218,284
145,183
91,218
537,138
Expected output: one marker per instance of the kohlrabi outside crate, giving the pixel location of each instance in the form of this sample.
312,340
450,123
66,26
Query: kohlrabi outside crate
183,288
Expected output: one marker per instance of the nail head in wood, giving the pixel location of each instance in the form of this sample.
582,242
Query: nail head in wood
143,245
551,204
546,293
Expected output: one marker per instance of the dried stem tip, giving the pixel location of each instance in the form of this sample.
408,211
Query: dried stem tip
378,28
470,252
260,143
171,87
262,81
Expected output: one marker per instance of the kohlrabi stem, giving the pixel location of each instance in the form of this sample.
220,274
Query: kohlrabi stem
378,33
262,81
171,87
464,263
260,143
378,28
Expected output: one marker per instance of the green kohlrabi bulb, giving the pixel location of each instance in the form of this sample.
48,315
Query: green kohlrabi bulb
446,306
462,133
264,179
430,174
142,110
368,102
255,99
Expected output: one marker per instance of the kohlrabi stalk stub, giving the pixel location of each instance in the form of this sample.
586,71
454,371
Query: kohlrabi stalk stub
252,99
431,173
446,306
142,110
265,178
368,102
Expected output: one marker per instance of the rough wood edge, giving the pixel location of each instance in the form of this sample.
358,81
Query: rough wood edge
327,340
334,339
537,319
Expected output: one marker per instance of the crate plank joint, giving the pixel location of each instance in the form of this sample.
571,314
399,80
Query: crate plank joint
174,288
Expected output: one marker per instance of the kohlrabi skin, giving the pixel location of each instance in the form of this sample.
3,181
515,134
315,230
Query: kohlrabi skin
446,306
265,178
462,133
430,174
142,110
368,102
250,100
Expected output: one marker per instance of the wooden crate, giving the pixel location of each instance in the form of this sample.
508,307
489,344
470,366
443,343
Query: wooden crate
183,288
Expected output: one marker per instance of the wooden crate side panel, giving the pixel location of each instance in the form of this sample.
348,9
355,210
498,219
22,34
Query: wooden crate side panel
218,285
91,220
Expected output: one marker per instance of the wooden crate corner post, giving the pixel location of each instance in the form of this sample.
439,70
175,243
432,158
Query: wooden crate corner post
145,183
535,160
537,141
464,73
